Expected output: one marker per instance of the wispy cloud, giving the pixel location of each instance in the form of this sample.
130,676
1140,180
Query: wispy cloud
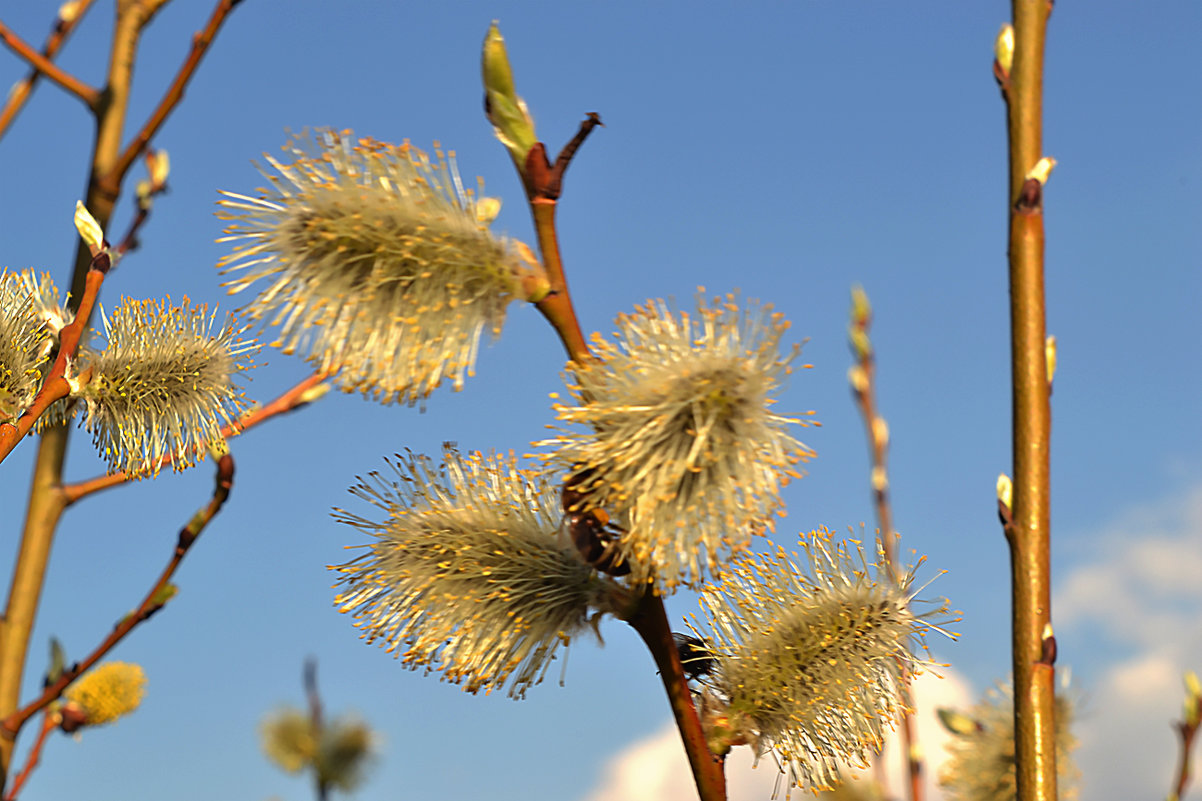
1141,590
655,768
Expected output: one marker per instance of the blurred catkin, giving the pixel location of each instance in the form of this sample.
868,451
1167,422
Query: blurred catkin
981,765
107,692
337,752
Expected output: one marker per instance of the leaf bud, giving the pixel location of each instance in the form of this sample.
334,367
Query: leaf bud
1003,48
1041,170
1005,490
505,109
89,230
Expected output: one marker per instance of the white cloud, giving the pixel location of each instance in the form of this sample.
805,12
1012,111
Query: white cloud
1142,592
655,768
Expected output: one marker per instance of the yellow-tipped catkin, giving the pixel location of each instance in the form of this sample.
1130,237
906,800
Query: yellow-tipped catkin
377,263
676,435
467,573
107,692
165,384
810,650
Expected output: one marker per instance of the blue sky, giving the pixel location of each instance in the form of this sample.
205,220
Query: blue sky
788,150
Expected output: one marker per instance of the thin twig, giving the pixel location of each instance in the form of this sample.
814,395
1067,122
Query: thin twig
591,121
146,192
320,784
49,721
294,398
155,599
1029,534
174,94
1187,730
863,384
22,90
56,386
45,66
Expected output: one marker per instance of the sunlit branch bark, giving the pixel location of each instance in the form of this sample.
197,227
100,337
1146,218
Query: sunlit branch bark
22,90
1029,530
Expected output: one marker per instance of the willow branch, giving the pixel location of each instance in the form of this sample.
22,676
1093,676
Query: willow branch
45,66
557,306
294,398
155,599
49,721
863,384
174,94
23,89
1029,532
650,620
544,184
56,386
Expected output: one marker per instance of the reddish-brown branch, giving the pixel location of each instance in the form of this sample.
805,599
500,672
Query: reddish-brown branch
153,602
555,184
174,94
1187,731
557,306
45,66
294,398
130,240
55,387
650,620
23,89
49,721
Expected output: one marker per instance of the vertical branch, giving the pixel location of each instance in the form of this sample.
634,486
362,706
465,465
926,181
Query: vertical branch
1028,532
1187,729
46,501
1187,732
321,783
863,383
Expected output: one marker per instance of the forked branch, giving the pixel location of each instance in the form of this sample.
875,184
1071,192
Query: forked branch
42,64
175,93
23,89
